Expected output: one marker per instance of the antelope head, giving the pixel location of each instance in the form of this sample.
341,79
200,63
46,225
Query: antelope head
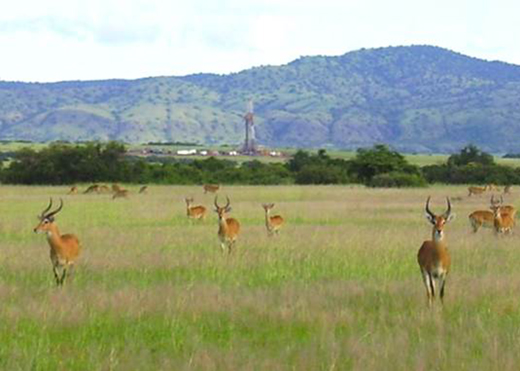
267,207
495,204
438,221
47,218
222,210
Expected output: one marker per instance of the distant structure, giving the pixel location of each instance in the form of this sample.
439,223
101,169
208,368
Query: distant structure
249,147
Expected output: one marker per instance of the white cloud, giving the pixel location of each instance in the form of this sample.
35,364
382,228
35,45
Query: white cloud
98,39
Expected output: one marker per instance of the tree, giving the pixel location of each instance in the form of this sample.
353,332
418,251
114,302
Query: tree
470,155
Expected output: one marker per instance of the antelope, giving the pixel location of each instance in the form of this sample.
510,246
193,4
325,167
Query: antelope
116,188
228,228
433,257
92,188
507,189
143,189
103,189
481,218
122,193
73,190
213,188
492,187
194,212
504,217
272,223
65,248
477,190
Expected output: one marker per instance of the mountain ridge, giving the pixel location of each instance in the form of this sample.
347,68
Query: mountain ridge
416,98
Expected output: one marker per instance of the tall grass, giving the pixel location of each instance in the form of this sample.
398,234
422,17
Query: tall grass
338,289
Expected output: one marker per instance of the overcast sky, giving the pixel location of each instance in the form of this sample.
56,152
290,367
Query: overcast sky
55,40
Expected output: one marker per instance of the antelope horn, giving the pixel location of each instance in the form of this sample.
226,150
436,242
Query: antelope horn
228,202
428,208
42,215
55,211
216,204
448,212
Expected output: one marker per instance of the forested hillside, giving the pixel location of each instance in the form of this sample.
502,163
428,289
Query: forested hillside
417,98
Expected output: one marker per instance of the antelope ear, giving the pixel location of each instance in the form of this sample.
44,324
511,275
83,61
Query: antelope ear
430,218
228,209
450,218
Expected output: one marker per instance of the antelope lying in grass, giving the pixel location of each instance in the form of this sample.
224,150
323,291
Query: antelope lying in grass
228,228
272,223
504,216
65,248
433,257
194,212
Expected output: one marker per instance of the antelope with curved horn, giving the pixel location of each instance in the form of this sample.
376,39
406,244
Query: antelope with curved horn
64,249
504,216
228,228
433,257
194,212
272,223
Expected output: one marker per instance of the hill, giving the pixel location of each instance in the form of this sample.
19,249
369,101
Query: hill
416,98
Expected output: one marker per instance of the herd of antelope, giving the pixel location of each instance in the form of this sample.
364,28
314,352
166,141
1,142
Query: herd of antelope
65,248
434,258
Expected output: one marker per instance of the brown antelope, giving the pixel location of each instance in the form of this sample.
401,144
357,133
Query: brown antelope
213,188
116,187
93,188
73,190
492,187
507,189
65,248
194,212
477,190
433,257
103,189
481,218
272,223
228,228
122,193
504,216
143,190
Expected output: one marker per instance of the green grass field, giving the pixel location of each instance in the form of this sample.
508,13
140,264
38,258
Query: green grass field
338,289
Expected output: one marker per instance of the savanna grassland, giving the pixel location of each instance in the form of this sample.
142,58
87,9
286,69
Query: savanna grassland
338,289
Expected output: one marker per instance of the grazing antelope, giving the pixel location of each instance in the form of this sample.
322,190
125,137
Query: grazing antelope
194,212
504,217
433,257
65,248
103,189
272,223
143,190
213,188
228,228
73,190
477,190
93,188
122,193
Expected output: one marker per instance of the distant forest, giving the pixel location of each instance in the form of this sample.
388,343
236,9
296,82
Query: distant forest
377,166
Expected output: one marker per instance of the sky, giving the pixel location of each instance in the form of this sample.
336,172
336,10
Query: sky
59,40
